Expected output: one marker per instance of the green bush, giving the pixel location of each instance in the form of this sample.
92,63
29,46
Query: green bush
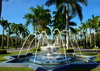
81,47
34,49
95,48
2,51
10,47
69,50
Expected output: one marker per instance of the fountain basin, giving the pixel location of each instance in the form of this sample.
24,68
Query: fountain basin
24,61
51,59
26,58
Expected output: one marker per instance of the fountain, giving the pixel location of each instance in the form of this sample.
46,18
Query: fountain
50,54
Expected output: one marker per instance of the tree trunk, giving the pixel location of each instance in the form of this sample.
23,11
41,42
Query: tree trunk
66,28
8,39
90,39
86,38
12,42
94,38
16,42
42,26
81,39
2,38
35,37
21,41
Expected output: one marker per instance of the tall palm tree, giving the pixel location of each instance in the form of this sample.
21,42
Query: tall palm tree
8,34
15,30
23,31
3,23
81,34
59,21
95,21
76,35
39,17
85,32
71,7
90,26
1,7
19,30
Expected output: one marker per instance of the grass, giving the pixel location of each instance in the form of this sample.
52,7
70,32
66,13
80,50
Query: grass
98,58
85,69
10,53
15,69
88,53
2,50
92,54
88,69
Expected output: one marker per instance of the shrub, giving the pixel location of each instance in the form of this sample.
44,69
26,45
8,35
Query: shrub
81,47
34,49
2,51
10,47
69,50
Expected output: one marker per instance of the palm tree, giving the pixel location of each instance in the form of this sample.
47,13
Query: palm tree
1,6
39,17
23,31
95,25
76,35
15,30
59,22
8,35
90,26
71,7
81,35
19,30
85,32
3,23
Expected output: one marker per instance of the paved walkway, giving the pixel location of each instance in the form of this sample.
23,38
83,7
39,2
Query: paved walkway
18,49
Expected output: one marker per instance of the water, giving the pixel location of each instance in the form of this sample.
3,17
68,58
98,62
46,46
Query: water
26,59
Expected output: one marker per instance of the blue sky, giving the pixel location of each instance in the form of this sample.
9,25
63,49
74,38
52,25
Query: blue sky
14,10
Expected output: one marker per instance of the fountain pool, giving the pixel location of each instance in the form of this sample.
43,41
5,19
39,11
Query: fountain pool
26,58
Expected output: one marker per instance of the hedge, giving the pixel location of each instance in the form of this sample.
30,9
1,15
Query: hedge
69,50
2,51
34,49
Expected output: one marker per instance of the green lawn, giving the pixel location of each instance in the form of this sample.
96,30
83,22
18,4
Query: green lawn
15,69
84,69
92,54
98,57
10,53
88,69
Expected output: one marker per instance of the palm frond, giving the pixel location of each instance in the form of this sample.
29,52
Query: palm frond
72,24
